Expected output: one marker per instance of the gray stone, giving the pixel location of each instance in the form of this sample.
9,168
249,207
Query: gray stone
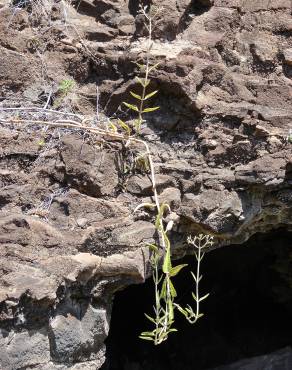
288,56
76,339
172,197
135,234
23,349
279,360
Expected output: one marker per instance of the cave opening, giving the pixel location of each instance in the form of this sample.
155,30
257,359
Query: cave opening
247,314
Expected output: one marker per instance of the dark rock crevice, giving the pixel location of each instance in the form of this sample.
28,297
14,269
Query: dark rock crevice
247,314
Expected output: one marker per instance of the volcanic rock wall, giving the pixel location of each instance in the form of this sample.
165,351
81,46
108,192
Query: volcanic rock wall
69,237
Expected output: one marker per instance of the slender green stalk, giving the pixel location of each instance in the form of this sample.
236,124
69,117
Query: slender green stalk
147,64
200,242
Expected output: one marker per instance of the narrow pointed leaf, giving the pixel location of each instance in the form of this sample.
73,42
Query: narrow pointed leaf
144,205
172,289
194,276
189,308
189,311
166,240
205,296
131,106
138,79
148,333
167,262
138,123
153,247
164,207
153,67
141,66
146,338
158,225
136,95
181,310
148,96
147,110
170,310
163,289
124,126
113,127
150,318
194,296
175,270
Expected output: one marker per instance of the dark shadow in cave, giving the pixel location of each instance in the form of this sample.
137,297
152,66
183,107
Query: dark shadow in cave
248,312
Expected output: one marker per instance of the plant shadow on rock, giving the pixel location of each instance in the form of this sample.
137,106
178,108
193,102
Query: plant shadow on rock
135,5
195,8
247,314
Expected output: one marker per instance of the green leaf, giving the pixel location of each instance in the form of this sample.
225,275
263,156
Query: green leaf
167,262
158,222
189,311
172,289
147,110
136,95
194,276
66,86
124,126
163,289
147,333
150,318
175,270
113,127
131,106
148,96
194,296
166,240
157,299
141,66
163,207
140,81
205,296
146,82
145,205
180,309
145,338
170,310
154,67
138,123
153,247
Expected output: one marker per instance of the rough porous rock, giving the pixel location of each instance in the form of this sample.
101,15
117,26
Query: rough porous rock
68,232
281,359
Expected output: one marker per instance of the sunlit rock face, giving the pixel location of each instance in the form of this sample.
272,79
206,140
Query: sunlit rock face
68,232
